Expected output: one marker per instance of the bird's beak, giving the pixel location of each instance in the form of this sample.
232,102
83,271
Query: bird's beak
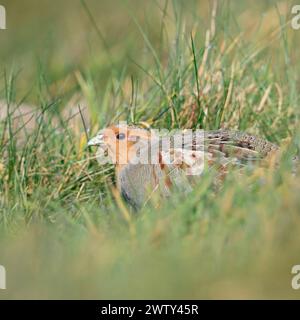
98,140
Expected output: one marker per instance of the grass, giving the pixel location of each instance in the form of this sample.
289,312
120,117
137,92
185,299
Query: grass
65,232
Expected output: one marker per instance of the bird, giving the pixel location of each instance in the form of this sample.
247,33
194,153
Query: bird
148,163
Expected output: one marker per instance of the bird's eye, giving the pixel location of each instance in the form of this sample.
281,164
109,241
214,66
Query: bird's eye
121,136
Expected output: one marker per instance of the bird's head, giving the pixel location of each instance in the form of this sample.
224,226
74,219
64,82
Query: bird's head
121,142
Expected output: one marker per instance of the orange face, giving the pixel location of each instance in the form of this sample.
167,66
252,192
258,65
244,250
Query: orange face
121,142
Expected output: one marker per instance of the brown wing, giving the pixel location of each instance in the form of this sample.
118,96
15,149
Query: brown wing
239,144
221,148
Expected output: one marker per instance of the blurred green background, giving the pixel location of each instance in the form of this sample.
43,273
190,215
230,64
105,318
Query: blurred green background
106,37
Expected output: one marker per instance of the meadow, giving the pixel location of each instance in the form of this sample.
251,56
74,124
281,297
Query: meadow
68,69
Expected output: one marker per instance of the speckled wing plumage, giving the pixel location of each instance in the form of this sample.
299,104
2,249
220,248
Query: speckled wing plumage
221,148
238,146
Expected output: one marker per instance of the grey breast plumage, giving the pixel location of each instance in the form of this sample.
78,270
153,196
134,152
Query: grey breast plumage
137,180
